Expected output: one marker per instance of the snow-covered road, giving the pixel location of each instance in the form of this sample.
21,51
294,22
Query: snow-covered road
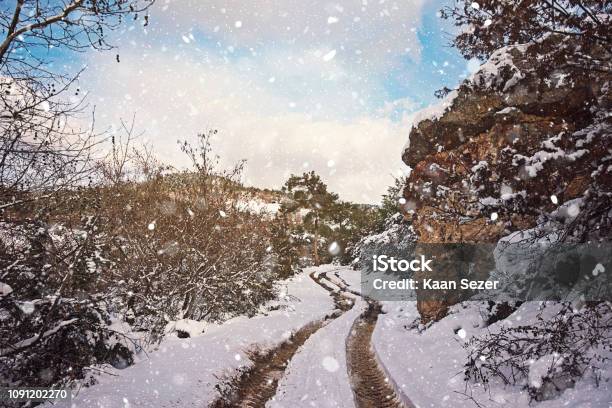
348,355
184,372
187,372
318,374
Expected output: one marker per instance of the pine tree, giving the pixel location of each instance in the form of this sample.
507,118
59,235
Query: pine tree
389,203
309,192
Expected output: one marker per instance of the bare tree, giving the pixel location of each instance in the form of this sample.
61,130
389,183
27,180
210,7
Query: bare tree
147,165
41,148
115,167
76,25
45,157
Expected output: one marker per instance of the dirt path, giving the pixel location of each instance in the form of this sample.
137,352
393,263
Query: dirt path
371,387
342,302
253,387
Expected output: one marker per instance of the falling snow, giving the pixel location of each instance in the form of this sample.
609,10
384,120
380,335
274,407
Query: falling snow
329,56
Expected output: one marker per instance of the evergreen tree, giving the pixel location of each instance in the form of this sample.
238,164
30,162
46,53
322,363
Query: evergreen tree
390,201
349,223
284,247
310,193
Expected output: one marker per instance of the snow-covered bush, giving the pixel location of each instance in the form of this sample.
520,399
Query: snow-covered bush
546,356
183,248
397,239
52,330
103,269
283,247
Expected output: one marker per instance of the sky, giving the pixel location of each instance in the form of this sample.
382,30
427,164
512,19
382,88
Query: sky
290,85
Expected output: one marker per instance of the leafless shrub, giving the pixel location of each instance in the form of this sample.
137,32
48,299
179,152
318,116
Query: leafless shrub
182,248
565,347
53,320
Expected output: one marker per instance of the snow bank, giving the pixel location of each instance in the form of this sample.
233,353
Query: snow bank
427,365
184,372
192,327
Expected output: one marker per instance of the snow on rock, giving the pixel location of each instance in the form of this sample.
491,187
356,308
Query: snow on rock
5,289
432,112
488,74
184,372
508,110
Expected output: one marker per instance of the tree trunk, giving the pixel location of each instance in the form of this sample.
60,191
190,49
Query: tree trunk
187,306
315,243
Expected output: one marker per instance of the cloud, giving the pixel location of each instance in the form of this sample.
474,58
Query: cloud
370,34
290,85
176,96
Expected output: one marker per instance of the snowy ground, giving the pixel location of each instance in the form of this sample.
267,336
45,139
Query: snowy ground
184,372
425,366
350,277
428,366
317,375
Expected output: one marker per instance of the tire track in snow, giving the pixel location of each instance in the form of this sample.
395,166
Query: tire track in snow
256,385
371,386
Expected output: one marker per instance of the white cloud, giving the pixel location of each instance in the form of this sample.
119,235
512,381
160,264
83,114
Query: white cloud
291,85
381,30
175,98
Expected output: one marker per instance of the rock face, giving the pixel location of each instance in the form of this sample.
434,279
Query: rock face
511,145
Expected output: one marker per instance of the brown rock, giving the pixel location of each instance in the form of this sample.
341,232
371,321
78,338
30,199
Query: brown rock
485,139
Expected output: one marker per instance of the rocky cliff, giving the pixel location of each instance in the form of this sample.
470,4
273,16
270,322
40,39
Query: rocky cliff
520,138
